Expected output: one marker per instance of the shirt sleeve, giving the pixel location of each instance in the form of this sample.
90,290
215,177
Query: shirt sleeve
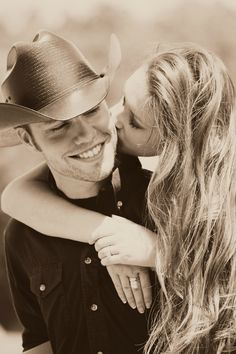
25,302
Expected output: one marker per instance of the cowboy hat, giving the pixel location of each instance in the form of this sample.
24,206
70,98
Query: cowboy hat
47,71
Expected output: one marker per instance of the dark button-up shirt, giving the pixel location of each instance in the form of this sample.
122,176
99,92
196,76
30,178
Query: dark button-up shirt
60,290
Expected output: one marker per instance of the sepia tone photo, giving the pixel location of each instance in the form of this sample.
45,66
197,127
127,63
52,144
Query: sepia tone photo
118,177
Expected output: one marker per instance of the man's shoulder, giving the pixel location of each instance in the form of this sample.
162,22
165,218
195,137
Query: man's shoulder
13,233
131,167
133,176
134,183
14,226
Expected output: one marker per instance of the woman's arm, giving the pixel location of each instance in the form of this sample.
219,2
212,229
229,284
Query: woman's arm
44,348
30,200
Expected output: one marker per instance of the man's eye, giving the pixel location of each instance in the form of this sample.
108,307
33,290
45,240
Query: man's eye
58,127
92,112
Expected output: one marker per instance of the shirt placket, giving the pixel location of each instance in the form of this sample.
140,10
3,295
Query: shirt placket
93,308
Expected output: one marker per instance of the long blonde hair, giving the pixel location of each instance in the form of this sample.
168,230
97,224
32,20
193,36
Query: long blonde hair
191,200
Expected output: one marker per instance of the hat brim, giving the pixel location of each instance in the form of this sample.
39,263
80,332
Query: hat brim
71,105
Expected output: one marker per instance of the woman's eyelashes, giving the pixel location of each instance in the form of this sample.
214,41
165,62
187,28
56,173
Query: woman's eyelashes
132,122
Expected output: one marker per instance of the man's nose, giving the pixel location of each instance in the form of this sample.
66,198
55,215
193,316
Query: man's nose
83,131
116,114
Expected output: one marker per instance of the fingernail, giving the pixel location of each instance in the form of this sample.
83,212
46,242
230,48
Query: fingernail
148,305
133,306
124,301
141,310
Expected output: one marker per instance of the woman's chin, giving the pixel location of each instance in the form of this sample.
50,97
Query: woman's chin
124,149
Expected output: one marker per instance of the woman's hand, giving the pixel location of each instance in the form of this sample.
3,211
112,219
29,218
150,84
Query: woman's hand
132,284
120,241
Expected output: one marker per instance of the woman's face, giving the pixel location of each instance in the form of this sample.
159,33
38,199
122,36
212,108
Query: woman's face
135,127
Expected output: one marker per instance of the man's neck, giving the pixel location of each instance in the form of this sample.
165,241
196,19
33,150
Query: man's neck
76,189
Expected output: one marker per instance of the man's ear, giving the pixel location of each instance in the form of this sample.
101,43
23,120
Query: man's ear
27,139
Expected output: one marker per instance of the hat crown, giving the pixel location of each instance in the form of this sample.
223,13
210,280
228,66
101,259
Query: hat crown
42,71
47,73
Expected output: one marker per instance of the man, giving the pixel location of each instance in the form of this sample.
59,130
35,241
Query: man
55,104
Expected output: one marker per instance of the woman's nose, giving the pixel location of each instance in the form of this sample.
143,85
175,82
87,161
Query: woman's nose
119,124
116,115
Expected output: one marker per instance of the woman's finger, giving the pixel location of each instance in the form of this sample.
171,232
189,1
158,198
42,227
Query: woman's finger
146,288
128,291
103,242
110,260
137,291
118,286
107,252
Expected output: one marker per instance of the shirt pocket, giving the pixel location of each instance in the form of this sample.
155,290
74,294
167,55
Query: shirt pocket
46,283
46,279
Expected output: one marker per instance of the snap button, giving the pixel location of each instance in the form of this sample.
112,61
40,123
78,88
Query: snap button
42,287
119,204
88,260
94,307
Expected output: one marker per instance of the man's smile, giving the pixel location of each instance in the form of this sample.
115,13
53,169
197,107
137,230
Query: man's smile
90,153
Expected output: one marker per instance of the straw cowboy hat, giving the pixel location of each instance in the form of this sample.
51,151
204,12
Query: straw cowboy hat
50,70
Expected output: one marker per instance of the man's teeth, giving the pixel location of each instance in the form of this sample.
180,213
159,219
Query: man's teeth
90,153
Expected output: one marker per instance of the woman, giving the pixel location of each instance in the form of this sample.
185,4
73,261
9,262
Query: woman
179,105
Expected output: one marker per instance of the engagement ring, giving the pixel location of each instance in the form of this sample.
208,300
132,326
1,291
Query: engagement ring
134,283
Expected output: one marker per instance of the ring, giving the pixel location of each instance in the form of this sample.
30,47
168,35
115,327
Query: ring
134,283
114,253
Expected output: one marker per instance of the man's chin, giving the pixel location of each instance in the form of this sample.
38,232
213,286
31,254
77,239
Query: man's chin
107,163
95,173
104,175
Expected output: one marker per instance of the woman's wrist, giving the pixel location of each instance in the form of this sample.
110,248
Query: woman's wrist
150,251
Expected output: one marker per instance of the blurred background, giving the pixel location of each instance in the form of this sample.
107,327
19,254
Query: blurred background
140,26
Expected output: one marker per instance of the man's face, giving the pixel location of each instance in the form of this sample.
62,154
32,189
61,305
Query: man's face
82,148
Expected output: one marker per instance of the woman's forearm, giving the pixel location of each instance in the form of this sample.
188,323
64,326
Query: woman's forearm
32,202
44,348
